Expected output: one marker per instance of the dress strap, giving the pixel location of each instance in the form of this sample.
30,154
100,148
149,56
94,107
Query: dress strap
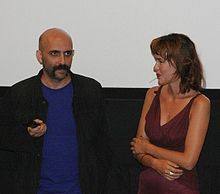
192,99
158,91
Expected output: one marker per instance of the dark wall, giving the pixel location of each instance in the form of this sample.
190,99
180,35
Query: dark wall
123,107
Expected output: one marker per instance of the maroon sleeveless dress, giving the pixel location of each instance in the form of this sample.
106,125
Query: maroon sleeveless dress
171,136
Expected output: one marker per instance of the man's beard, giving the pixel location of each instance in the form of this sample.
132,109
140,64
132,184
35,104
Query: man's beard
51,72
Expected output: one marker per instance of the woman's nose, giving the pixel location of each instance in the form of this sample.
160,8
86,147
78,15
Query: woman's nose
155,67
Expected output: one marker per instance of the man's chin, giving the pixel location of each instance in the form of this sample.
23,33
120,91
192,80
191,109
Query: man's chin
59,76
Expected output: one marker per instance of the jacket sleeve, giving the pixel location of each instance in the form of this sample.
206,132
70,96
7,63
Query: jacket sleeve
103,145
7,120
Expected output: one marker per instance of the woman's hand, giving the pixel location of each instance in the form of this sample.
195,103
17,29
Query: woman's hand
139,145
167,169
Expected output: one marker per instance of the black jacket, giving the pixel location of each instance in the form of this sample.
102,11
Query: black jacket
20,154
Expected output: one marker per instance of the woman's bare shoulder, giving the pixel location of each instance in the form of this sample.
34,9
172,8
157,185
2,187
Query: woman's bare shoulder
202,99
201,102
152,91
150,94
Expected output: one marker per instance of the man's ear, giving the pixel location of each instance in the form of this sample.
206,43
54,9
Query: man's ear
39,56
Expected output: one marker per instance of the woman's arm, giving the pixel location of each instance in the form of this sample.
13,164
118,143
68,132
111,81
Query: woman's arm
147,102
163,167
198,124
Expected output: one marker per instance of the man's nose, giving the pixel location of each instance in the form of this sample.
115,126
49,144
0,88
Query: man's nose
62,59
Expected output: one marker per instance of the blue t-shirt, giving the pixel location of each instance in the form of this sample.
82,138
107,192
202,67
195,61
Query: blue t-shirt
60,170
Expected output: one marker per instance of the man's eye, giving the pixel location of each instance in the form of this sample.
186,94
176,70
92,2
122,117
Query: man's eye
54,53
69,53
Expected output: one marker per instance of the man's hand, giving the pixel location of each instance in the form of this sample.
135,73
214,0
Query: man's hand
38,129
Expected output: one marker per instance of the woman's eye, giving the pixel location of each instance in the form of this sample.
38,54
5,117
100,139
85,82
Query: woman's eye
158,61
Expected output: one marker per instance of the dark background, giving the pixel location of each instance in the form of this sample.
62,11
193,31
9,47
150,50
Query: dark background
123,107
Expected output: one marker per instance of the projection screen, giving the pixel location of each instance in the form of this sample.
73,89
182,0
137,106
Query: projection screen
111,37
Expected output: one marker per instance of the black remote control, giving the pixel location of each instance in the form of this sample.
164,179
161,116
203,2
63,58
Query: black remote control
33,124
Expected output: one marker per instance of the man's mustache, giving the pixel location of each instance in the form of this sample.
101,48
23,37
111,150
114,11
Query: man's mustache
61,67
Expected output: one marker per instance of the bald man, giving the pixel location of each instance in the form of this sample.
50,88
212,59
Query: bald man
54,137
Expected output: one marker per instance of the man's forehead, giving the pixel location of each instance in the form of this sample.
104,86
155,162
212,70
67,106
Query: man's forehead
57,45
54,37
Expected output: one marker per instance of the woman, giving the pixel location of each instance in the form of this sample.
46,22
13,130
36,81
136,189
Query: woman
174,119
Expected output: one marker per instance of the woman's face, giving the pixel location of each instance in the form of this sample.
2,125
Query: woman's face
164,70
